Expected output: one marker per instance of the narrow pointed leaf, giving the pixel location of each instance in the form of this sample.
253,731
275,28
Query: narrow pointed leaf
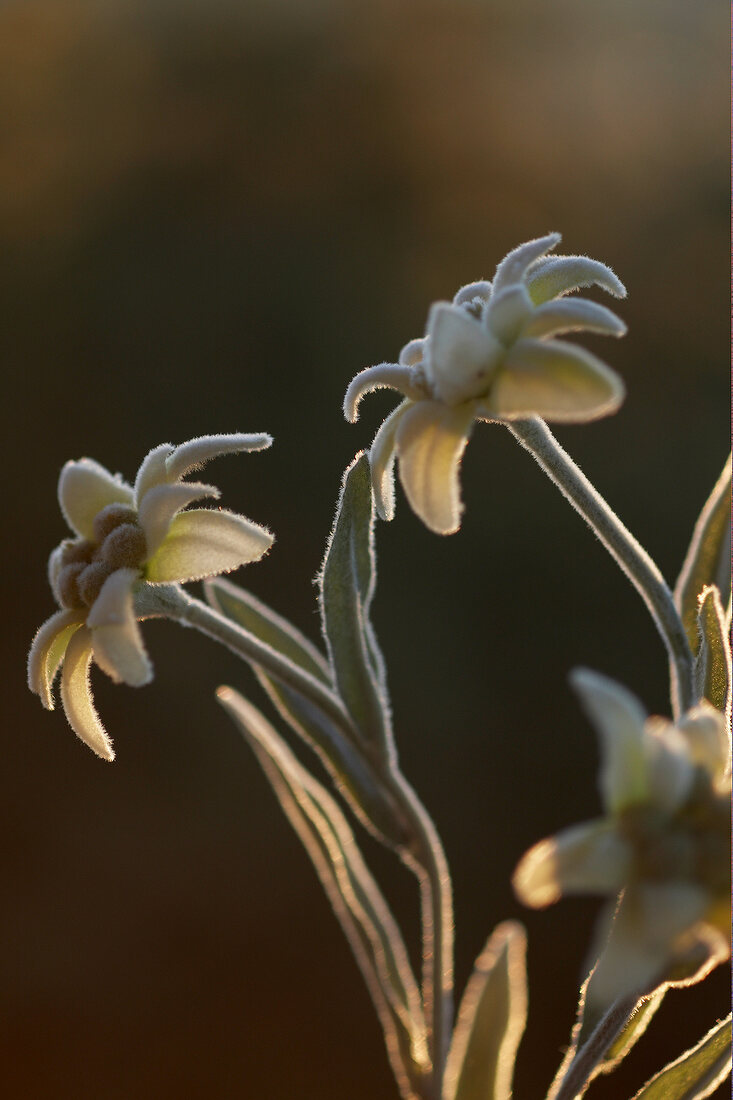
713,661
352,773
491,1020
347,583
631,1034
350,770
587,1020
708,557
697,1073
354,895
255,616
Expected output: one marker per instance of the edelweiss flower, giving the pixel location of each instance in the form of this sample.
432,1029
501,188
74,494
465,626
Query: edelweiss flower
127,537
489,355
665,841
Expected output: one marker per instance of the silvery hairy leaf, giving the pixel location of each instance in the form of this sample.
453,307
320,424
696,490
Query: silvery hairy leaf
491,1020
588,1019
354,895
630,1034
347,582
708,557
697,1073
350,770
259,619
713,661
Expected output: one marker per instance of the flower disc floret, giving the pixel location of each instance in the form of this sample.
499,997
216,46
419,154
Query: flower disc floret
490,354
127,537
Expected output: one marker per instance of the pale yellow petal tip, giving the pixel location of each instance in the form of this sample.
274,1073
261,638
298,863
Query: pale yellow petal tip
535,878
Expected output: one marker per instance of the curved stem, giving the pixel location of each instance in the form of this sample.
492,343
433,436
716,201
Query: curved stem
176,604
633,559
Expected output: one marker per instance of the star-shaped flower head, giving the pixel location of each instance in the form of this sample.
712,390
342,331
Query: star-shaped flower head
127,537
664,841
491,354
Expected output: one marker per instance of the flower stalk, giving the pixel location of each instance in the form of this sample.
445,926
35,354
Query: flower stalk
635,562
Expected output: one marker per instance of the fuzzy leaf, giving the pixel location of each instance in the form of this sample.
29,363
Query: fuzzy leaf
713,661
631,1034
491,1020
350,769
697,1073
347,583
588,1018
708,557
255,616
354,895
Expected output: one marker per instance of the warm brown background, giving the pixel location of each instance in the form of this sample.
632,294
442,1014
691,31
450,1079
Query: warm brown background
211,216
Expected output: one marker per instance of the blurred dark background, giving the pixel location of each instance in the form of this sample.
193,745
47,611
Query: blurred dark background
211,216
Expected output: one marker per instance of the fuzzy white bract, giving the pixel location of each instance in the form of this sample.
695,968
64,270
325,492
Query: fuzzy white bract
126,537
491,354
665,841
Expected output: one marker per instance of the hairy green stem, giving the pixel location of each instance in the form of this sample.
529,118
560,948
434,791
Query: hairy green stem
633,559
425,856
578,1076
175,603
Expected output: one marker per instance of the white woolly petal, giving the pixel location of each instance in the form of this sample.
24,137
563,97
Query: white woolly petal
413,352
471,291
85,488
161,503
47,652
430,441
382,459
54,568
203,542
197,452
706,732
587,859
554,380
668,763
384,375
462,354
152,470
572,315
515,263
76,695
644,759
507,313
117,643
619,719
644,939
557,275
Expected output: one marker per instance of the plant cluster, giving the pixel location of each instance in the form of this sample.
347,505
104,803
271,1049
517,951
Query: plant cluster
660,848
